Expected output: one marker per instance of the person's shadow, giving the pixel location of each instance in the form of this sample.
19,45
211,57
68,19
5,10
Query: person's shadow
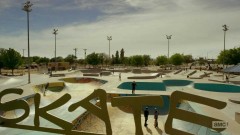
159,131
149,130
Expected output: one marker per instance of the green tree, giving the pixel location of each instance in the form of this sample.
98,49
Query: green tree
113,60
101,58
12,59
81,61
58,59
70,58
93,59
188,59
122,56
35,59
201,61
176,59
1,59
161,60
136,60
146,60
44,60
117,57
126,61
26,59
230,56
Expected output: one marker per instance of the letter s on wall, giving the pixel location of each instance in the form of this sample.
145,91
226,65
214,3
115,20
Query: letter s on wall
12,105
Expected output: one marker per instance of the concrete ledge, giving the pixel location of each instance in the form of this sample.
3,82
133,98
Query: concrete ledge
106,73
234,100
191,73
235,82
178,71
137,71
91,74
237,117
57,75
215,80
195,77
152,76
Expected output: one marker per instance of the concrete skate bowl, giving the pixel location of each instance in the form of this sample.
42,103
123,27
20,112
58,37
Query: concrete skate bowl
146,86
163,110
5,82
175,82
76,87
53,87
83,80
214,87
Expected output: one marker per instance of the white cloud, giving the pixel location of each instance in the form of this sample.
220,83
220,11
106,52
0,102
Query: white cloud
195,31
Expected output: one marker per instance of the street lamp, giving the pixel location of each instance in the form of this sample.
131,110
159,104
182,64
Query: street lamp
109,38
55,33
225,28
23,52
85,52
27,7
75,49
168,37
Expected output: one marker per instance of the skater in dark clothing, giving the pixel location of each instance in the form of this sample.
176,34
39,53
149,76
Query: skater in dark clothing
133,87
156,118
146,113
120,78
46,86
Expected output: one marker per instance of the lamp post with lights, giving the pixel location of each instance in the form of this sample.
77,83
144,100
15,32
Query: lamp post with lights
55,33
27,7
225,29
109,38
168,38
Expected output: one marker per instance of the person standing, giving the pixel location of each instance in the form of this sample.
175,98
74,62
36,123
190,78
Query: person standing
156,118
227,79
133,87
120,78
46,86
146,113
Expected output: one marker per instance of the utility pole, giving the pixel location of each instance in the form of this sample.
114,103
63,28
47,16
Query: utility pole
168,37
23,52
85,50
55,33
75,49
225,28
27,7
109,38
85,53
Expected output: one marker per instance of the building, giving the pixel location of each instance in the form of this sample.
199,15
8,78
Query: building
58,65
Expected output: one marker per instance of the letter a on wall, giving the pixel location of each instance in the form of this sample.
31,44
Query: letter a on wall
100,111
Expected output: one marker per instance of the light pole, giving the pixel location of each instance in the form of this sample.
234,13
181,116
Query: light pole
225,28
55,33
168,37
23,52
85,52
27,8
75,49
109,38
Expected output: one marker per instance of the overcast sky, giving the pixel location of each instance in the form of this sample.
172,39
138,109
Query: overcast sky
138,26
